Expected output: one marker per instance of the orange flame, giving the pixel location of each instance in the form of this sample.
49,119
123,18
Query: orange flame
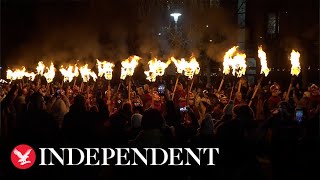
70,73
49,75
189,68
156,68
237,62
19,74
128,66
31,75
180,64
40,68
227,60
294,58
263,60
192,67
16,74
105,68
86,73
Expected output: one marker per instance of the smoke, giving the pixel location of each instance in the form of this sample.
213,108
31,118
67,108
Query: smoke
213,32
146,39
112,31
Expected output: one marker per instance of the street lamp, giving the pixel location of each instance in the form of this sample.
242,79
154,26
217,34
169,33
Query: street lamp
175,18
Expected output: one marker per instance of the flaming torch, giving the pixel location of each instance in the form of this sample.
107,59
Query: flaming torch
227,62
69,73
40,70
16,74
127,69
180,65
295,69
236,63
151,75
49,75
19,74
191,69
86,73
156,68
66,73
76,73
161,66
105,68
239,67
264,70
31,76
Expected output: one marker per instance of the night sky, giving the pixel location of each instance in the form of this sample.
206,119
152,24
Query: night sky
80,29
63,29
69,30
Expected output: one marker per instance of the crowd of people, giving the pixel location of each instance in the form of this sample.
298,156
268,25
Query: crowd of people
274,138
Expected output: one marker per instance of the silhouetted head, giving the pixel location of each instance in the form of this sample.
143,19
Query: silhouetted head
79,100
79,103
243,112
152,119
126,107
37,102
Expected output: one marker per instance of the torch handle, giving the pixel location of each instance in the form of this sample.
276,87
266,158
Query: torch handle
81,86
109,93
254,93
129,89
190,89
239,86
231,92
289,89
75,81
119,87
175,87
187,99
109,97
39,81
288,92
221,83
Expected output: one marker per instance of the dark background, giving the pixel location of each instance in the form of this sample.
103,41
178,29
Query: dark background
69,30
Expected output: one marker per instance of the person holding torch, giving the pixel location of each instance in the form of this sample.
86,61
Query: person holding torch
264,70
127,69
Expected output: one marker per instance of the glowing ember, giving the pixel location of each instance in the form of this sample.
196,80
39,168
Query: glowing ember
49,75
105,68
40,68
263,60
294,58
128,66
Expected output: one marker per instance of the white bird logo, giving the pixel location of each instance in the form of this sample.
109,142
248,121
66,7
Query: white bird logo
23,158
